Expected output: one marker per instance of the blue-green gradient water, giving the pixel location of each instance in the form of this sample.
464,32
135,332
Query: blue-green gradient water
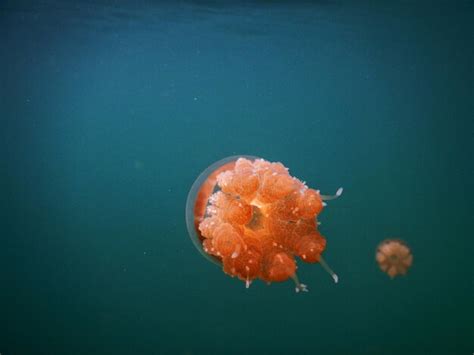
109,110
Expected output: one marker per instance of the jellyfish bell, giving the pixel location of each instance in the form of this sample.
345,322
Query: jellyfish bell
394,257
252,218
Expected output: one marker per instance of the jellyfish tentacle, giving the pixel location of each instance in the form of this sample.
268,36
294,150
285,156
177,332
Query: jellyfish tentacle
298,285
328,269
332,197
247,282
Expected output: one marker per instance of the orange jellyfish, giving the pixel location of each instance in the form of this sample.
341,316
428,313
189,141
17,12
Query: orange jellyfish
394,257
252,218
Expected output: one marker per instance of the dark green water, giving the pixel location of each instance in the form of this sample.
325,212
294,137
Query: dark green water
110,110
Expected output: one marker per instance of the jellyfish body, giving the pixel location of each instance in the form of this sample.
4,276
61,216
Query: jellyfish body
394,257
252,218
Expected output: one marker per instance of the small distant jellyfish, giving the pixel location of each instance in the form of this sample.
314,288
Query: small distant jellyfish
394,257
252,218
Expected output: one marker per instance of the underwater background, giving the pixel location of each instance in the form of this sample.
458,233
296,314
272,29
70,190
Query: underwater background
109,111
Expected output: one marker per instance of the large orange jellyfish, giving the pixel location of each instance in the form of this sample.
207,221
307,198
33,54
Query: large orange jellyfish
394,257
252,218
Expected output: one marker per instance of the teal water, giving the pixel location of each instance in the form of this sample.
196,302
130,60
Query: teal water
110,110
